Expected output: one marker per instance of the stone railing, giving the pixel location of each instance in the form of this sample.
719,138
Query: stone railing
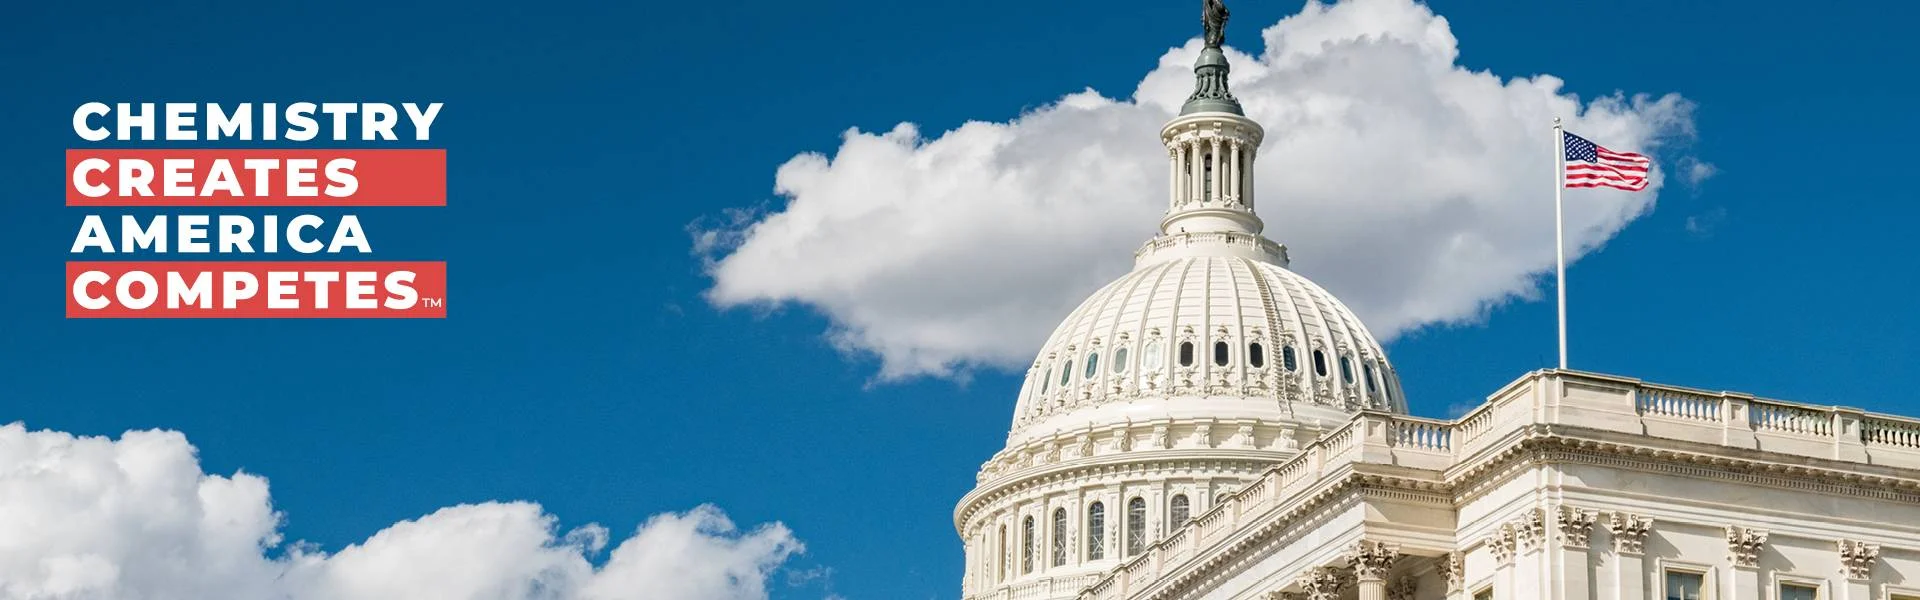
1565,398
1039,589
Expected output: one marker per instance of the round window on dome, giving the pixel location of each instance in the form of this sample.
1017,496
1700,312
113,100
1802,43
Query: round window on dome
1093,365
1120,360
1256,355
1220,354
1319,363
1186,354
1346,370
1287,359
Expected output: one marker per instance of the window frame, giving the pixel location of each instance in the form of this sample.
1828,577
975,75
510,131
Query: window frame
1185,353
1222,353
1093,366
1709,577
1777,590
1120,356
1257,355
1899,592
1179,511
1666,579
1096,515
1027,531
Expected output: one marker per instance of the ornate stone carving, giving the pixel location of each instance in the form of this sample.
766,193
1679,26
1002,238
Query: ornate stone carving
1372,560
1402,589
1531,530
1501,544
1857,558
1576,526
1629,532
1324,583
1744,544
1453,570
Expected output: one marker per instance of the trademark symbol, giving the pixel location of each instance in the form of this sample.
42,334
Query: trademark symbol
432,302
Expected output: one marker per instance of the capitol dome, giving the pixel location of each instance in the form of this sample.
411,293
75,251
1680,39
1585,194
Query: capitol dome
1221,337
1173,386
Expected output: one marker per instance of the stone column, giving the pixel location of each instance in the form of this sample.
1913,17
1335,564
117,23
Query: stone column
1193,170
1502,546
1856,563
1173,177
1629,567
1233,174
1246,189
1371,561
1323,583
1571,580
1743,551
1453,570
1218,173
1530,561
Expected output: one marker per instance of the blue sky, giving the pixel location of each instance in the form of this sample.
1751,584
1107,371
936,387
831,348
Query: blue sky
583,368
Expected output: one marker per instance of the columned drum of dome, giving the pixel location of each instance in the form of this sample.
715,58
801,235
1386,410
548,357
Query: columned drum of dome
1175,385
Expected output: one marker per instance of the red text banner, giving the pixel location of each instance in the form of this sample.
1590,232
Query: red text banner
256,177
257,289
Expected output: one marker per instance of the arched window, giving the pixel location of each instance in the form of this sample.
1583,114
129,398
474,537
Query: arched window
1367,369
1256,355
1045,380
1120,360
1220,354
1178,512
1066,373
1136,526
1093,366
1287,359
1346,370
1319,363
1059,537
1026,546
1096,531
1186,354
1001,572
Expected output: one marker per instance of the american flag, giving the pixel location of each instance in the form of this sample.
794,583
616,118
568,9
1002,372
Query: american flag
1590,165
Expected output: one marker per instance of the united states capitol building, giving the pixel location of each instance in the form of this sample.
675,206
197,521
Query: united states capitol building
1214,425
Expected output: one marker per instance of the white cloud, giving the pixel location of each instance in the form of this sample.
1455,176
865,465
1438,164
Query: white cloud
1698,172
1413,188
136,518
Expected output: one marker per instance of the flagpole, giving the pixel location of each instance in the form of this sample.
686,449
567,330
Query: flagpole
1559,231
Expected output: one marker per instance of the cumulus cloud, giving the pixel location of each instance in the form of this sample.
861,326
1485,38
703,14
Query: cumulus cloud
136,518
1415,189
